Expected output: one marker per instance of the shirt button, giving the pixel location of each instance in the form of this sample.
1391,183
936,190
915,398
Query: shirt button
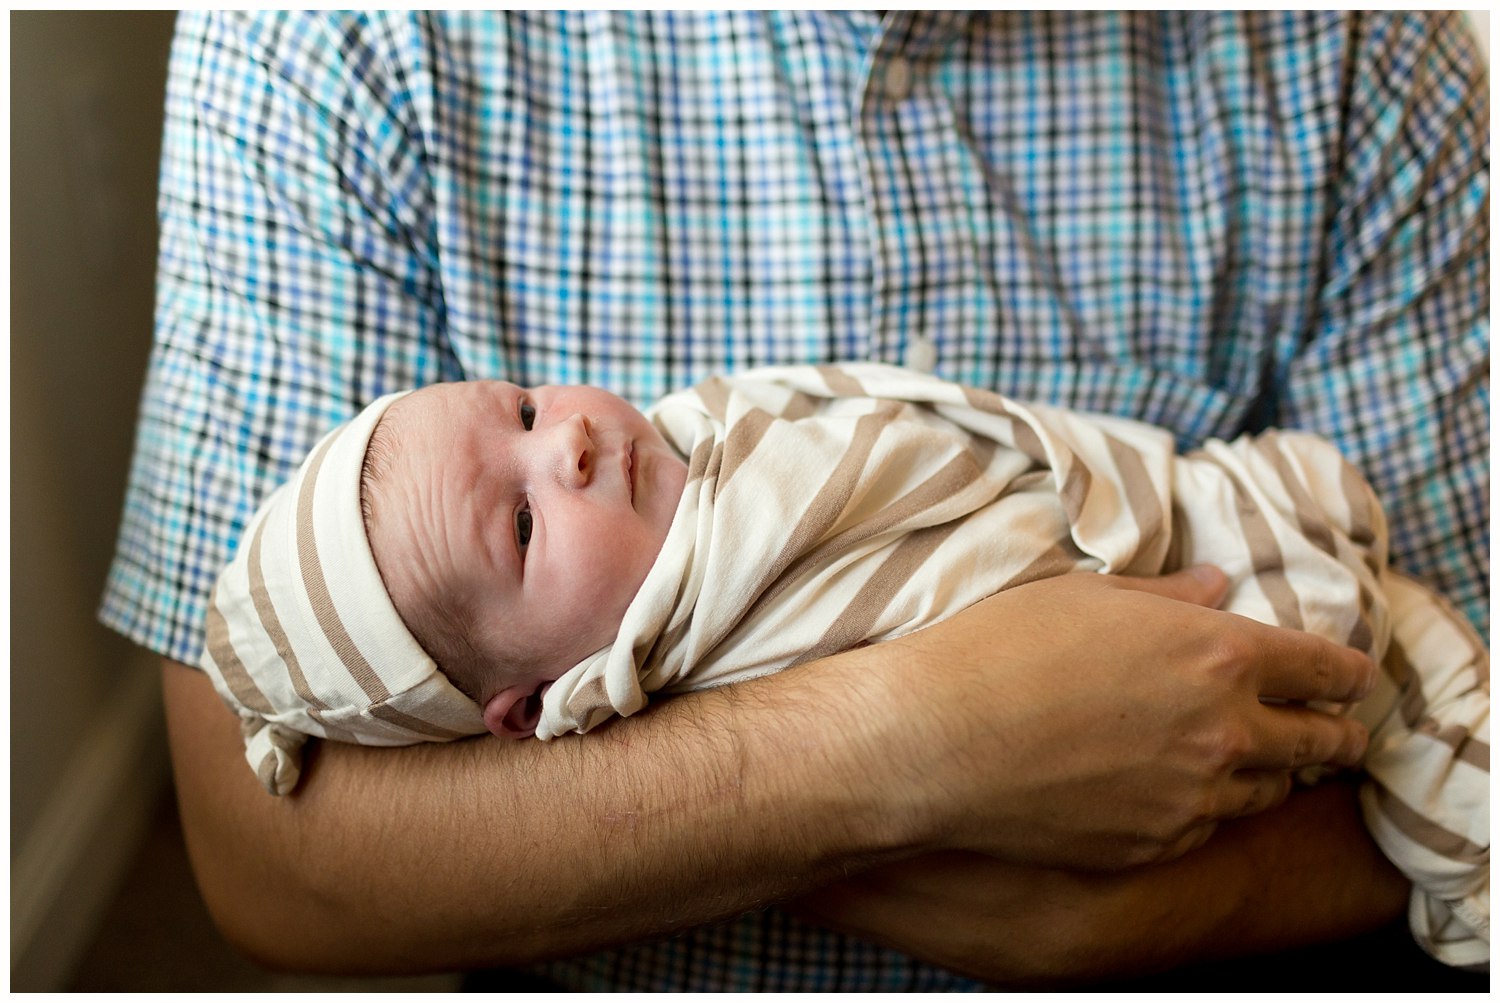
921,355
897,83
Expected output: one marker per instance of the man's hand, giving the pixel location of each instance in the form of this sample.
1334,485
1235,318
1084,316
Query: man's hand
1100,722
1303,873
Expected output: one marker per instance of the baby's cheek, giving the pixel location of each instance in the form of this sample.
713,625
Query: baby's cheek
618,577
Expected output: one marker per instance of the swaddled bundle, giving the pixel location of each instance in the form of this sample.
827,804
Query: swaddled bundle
830,506
833,505
826,507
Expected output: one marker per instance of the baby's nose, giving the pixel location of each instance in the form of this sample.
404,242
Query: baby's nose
575,451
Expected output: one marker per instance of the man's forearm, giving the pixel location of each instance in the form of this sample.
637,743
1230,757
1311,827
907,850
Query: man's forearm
488,852
1038,751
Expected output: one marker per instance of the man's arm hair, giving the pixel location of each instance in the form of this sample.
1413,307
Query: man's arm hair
485,852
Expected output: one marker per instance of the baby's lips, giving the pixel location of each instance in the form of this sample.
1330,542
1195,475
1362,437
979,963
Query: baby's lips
630,470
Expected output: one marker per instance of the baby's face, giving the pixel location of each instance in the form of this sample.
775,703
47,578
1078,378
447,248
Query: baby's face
538,511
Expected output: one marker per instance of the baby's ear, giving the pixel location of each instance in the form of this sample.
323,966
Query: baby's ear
515,711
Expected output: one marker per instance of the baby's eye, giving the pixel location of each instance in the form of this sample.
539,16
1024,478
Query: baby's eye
528,416
523,527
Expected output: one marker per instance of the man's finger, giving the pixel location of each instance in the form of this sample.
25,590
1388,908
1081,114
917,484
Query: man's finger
1294,665
1299,666
1293,737
1190,841
1253,791
1201,585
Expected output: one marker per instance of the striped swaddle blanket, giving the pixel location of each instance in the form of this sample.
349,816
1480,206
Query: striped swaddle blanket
301,637
829,506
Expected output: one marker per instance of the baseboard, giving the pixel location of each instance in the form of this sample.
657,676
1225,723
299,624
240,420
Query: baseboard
66,873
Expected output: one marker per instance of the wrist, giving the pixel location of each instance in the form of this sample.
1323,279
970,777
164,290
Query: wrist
839,764
894,750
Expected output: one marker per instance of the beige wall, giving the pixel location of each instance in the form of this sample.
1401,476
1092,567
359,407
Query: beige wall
86,105
86,111
1480,19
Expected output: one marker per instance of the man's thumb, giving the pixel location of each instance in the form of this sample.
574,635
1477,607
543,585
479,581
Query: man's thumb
1202,585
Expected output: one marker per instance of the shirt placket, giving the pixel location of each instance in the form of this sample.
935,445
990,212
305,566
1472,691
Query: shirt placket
904,127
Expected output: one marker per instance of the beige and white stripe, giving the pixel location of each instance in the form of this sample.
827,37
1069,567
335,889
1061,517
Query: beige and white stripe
301,636
831,506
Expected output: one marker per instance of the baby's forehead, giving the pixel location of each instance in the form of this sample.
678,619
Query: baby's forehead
428,485
438,410
436,399
439,434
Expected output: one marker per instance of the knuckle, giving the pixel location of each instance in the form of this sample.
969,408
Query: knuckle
1306,751
1206,811
1144,851
1192,812
1324,676
1227,746
1188,841
1269,792
1197,837
1155,842
1232,653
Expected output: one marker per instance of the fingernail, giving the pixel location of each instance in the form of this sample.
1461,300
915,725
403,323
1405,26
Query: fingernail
1211,578
1205,573
1361,744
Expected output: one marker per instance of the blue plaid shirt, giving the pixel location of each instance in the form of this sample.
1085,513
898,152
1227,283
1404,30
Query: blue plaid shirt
1216,222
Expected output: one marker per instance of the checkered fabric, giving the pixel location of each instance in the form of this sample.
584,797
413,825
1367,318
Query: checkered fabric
1211,221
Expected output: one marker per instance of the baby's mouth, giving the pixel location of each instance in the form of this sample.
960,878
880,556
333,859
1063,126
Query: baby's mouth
630,472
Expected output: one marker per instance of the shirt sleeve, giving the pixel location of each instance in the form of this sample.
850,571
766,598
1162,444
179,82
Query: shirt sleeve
1396,369
296,281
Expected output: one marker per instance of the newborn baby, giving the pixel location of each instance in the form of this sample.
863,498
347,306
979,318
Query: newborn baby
561,557
513,527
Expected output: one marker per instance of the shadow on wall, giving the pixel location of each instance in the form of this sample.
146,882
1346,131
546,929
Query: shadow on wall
87,758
